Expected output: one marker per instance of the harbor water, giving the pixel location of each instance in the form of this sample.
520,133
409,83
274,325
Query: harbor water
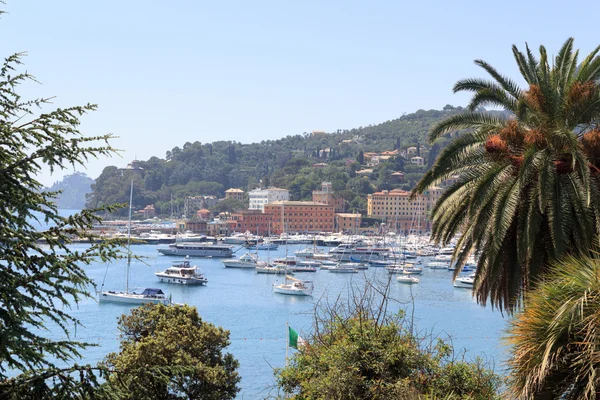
243,302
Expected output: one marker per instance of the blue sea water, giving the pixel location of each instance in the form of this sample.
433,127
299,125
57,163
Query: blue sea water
242,301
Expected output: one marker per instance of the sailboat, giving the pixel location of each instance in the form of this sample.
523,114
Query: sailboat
294,287
148,295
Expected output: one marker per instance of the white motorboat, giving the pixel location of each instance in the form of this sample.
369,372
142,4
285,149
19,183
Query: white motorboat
465,281
248,260
294,287
262,246
192,249
148,295
438,265
182,272
413,271
407,279
275,269
308,252
343,269
355,265
346,252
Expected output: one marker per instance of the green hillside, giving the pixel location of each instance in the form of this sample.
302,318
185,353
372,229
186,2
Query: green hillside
211,168
74,189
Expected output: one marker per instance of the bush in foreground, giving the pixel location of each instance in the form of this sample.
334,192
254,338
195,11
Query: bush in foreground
361,355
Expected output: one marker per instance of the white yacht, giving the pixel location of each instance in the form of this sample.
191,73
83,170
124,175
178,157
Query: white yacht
148,295
276,269
182,272
343,269
407,279
350,252
465,281
248,260
192,249
438,265
294,287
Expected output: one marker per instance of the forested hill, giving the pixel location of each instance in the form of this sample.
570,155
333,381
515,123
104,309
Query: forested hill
211,168
74,189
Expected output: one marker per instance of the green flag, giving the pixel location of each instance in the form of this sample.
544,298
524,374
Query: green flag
294,339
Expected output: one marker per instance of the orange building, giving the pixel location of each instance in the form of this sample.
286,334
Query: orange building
326,196
252,221
345,222
399,212
300,216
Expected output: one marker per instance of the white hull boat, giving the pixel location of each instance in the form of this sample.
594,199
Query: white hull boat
294,287
273,270
438,265
343,269
197,250
465,282
183,273
248,260
407,279
148,296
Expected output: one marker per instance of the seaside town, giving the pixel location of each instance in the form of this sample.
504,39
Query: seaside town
215,248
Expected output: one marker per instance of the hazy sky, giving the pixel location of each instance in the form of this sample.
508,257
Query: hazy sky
164,73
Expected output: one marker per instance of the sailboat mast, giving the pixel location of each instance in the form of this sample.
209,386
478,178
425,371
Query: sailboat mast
129,239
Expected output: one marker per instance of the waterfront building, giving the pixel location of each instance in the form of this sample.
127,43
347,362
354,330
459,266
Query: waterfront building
220,227
300,216
400,212
237,194
196,226
326,196
260,197
346,222
253,221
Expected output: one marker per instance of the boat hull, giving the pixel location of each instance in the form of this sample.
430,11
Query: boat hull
180,280
130,298
237,264
195,253
291,292
463,285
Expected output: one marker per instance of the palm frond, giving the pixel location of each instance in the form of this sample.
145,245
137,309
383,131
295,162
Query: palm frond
524,67
507,84
464,121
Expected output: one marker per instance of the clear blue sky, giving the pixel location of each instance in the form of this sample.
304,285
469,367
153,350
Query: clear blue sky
164,73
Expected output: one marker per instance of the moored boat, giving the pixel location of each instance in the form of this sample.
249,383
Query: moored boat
182,272
191,249
465,282
407,279
248,260
294,287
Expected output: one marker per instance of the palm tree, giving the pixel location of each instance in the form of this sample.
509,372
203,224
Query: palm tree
556,338
528,187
